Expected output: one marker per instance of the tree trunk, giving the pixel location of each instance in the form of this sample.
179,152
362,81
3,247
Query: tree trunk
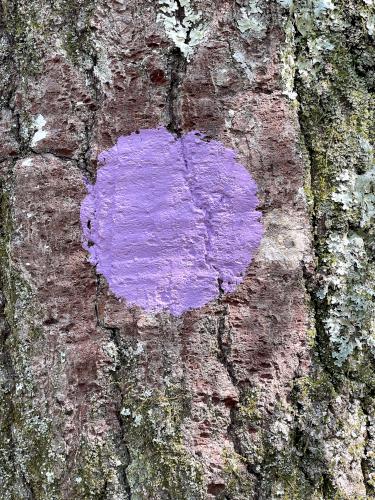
266,392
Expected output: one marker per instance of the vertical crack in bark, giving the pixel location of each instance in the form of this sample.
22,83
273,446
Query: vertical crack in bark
299,435
177,66
207,218
114,334
84,163
85,158
224,346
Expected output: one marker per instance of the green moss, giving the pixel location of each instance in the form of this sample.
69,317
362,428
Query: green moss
317,387
25,24
25,435
95,472
77,34
33,27
248,407
311,337
159,461
238,485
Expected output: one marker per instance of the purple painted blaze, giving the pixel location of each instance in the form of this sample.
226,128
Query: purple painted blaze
170,220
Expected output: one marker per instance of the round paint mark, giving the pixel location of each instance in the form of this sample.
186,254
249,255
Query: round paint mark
170,222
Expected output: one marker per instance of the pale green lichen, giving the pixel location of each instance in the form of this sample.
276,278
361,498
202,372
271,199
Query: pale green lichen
187,32
323,6
288,63
313,443
350,284
337,119
285,3
251,20
241,58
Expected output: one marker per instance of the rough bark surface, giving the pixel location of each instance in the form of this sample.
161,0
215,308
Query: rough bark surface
264,393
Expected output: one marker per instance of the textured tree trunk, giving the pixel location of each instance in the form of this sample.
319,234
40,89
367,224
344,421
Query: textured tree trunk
265,393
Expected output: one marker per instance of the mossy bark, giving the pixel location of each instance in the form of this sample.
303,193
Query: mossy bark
267,393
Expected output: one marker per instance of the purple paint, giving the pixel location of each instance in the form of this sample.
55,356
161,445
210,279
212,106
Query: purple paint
169,218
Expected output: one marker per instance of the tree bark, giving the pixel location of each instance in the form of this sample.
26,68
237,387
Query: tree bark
264,393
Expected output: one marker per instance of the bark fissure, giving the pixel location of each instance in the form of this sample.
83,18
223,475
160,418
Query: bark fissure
114,335
177,71
224,345
206,215
177,68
